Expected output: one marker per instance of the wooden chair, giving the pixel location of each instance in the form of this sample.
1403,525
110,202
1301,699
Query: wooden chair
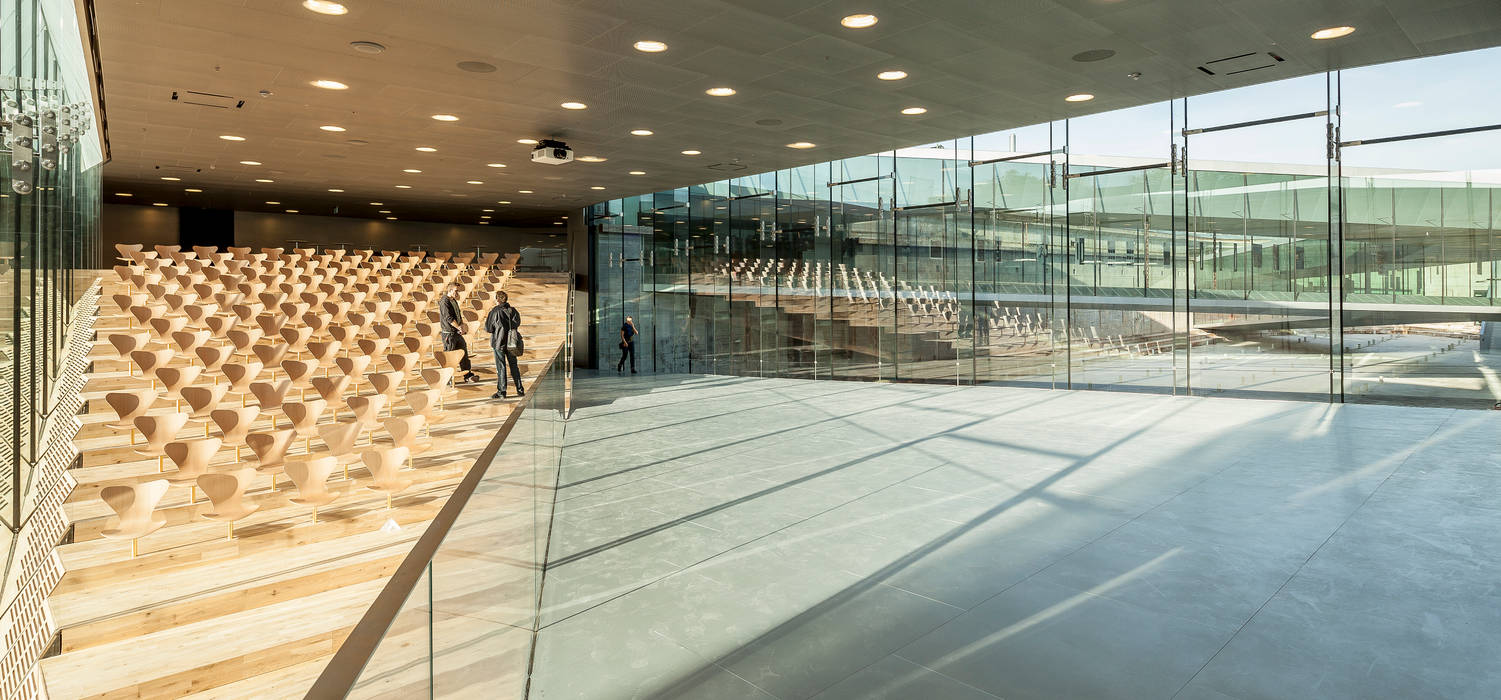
438,379
174,379
311,478
270,395
386,384
385,471
270,450
331,389
304,417
234,424
241,376
129,405
244,339
149,360
203,401
162,328
296,338
227,493
197,313
300,373
353,367
373,347
271,355
404,432
424,402
449,359
126,343
126,249
339,439
212,358
135,510
220,326
324,352
366,410
158,431
192,458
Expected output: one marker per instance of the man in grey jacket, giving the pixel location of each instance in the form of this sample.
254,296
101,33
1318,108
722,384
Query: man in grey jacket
502,320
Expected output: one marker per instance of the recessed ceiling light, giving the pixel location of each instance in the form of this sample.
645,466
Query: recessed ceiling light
1332,32
574,105
377,204
427,149
859,21
557,223
324,7
801,144
263,180
476,67
596,187
504,201
291,211
474,182
403,187
650,46
158,204
390,218
592,159
124,194
524,191
484,216
445,117
334,189
250,162
641,132
273,202
191,189
720,91
891,74
384,211
692,152
329,84
231,137
172,179
637,172
369,47
1081,97
411,170
487,210
495,165
529,142
915,110
331,127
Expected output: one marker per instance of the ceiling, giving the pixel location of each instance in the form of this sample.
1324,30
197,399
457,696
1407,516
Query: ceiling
976,65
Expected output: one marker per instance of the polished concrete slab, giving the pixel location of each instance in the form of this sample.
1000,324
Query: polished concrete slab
730,537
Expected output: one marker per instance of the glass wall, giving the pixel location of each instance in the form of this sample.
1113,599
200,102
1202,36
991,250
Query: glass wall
1327,237
49,213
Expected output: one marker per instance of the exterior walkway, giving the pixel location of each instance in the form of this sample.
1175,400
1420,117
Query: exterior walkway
730,537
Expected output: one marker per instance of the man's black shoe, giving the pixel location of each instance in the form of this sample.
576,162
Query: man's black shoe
497,395
519,392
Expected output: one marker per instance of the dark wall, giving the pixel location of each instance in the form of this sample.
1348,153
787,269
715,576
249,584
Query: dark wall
205,227
127,223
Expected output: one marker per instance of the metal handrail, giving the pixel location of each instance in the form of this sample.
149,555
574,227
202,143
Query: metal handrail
344,669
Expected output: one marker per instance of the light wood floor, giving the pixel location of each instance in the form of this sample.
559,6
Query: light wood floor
196,614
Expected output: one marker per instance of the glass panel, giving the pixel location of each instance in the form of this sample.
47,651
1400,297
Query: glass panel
402,666
858,271
1121,312
1258,243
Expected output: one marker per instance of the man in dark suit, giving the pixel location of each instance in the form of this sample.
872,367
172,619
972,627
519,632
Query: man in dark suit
502,321
451,329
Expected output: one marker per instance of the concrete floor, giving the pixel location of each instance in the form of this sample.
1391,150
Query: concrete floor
727,537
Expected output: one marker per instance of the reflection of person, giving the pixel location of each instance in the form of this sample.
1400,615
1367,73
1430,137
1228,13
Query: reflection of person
451,329
627,344
502,321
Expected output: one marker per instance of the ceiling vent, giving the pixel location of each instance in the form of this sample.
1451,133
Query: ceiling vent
206,99
1241,63
728,167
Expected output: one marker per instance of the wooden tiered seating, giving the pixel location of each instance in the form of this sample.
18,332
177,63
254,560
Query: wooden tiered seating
259,609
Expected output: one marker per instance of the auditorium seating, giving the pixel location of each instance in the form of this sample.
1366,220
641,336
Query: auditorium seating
211,339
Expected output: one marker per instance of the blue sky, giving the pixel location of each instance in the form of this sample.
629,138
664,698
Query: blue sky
1419,95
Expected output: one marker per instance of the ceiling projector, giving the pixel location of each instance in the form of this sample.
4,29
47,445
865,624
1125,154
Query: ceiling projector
552,152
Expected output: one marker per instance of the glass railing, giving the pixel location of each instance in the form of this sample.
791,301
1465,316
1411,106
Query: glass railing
459,616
